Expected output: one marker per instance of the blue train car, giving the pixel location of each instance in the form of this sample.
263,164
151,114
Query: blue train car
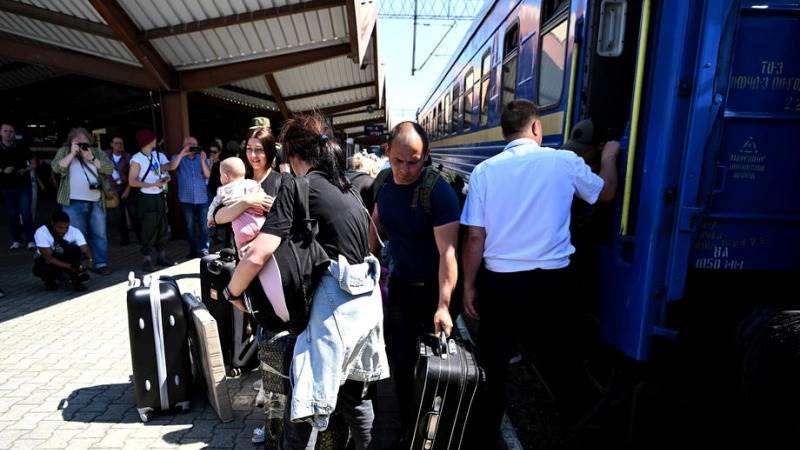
703,240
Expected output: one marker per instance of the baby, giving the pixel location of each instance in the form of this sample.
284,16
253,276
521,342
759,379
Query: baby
247,226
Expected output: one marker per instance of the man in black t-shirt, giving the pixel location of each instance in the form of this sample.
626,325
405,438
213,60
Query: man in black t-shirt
16,163
423,246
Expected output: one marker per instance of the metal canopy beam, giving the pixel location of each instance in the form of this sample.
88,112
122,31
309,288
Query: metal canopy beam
57,18
276,92
329,91
77,63
235,19
126,30
248,92
192,80
361,20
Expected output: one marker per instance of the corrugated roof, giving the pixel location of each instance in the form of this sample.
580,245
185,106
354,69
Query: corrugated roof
66,38
240,42
255,84
24,74
377,116
318,76
236,97
327,100
209,33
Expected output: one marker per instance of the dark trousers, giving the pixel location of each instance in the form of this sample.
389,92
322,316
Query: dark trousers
50,273
152,213
194,215
409,314
354,408
18,203
534,309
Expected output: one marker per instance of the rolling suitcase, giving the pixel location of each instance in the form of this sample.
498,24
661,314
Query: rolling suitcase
236,329
446,381
159,350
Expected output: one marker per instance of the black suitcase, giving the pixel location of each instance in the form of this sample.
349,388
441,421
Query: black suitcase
159,351
236,329
446,382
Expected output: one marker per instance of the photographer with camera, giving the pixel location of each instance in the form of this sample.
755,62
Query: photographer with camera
84,170
193,173
149,173
60,249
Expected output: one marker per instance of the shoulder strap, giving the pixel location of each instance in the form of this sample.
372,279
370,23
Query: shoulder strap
380,180
149,165
424,190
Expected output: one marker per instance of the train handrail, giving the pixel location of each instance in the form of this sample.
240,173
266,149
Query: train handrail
637,103
573,69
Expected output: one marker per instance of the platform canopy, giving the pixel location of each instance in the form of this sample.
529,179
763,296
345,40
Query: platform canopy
284,55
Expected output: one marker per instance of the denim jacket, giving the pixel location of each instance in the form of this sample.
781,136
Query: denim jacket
343,340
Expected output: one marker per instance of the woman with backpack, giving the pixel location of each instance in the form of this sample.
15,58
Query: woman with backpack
340,352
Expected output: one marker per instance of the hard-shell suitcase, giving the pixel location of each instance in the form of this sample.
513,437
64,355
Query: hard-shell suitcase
159,349
446,383
206,352
236,329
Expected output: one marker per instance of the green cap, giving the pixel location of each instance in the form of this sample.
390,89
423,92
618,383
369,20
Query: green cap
260,122
580,140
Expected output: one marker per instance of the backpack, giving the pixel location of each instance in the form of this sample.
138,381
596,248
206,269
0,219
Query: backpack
301,262
422,193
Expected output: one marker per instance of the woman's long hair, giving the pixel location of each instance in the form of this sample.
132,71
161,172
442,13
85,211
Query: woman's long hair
267,139
309,138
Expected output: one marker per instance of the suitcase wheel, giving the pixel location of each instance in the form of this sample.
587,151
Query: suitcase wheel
144,416
234,372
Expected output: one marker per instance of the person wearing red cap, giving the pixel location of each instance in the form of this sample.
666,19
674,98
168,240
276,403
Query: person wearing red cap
149,173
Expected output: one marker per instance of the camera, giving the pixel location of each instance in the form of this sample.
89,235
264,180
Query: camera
94,186
196,149
83,146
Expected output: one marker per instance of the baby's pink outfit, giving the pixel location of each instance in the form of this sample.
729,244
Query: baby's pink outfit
245,228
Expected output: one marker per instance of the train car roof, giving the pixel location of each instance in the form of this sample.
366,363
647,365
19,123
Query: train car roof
473,29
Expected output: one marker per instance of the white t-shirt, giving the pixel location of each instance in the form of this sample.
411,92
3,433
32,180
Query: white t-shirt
44,239
522,197
79,178
155,170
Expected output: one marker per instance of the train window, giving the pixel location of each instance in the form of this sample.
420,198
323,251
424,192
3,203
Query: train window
486,69
551,8
456,105
468,101
510,52
447,122
551,64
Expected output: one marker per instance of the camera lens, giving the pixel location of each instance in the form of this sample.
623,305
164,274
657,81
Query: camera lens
83,146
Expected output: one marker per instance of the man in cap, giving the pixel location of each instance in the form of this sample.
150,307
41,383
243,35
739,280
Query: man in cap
517,213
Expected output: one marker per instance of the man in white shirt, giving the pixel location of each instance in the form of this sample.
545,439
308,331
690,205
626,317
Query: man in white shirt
518,213
59,248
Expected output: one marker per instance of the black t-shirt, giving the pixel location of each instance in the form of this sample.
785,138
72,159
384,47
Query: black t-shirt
16,156
410,230
343,222
213,180
272,184
362,183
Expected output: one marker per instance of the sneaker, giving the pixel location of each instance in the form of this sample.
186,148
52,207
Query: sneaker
103,270
203,253
15,246
31,246
259,436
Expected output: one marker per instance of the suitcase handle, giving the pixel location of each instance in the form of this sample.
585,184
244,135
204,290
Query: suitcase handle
443,345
